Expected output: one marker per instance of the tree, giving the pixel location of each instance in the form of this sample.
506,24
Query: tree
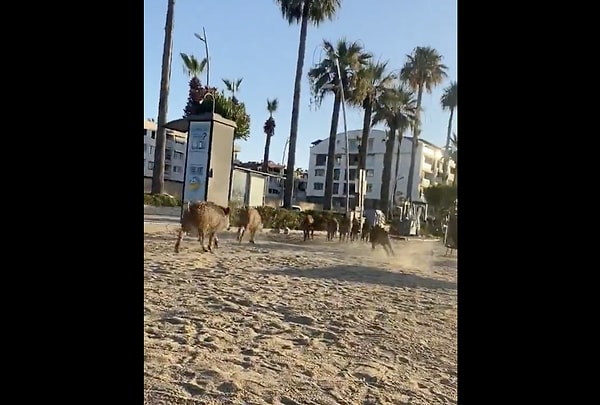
224,106
372,82
324,79
454,156
441,198
449,101
303,12
233,86
398,109
269,129
158,173
423,70
192,68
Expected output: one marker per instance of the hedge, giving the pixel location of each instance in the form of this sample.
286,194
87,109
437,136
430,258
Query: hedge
161,200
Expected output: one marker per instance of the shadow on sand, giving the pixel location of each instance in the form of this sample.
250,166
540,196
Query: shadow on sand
370,275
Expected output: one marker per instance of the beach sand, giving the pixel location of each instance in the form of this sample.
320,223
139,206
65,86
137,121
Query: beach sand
292,322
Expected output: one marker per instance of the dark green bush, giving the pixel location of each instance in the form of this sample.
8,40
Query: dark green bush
161,200
281,218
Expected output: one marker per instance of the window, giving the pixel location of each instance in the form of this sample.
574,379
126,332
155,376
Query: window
177,169
151,150
370,144
352,174
145,148
353,159
352,144
168,153
352,188
145,132
321,160
178,155
153,134
167,168
150,165
180,141
370,172
336,174
318,186
370,160
319,172
144,164
274,191
369,187
336,188
338,160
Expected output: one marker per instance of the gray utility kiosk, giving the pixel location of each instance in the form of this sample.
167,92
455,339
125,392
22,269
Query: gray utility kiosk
208,159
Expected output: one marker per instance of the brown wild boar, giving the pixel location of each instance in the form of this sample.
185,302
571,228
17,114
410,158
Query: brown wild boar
332,227
344,228
308,227
380,236
205,217
251,220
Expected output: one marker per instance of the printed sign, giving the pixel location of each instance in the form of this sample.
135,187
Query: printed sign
194,186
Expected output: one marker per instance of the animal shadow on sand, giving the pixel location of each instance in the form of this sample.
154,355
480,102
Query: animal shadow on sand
369,275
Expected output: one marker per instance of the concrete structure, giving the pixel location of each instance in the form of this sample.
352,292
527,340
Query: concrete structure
428,168
174,154
174,158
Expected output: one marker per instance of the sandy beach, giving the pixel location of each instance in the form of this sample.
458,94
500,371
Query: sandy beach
291,322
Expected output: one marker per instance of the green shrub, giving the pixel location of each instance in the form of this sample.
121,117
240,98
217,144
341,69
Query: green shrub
161,200
281,218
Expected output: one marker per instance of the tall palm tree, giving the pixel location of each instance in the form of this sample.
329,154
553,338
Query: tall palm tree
454,156
373,80
192,68
324,79
423,70
449,101
158,173
233,86
396,107
269,129
303,12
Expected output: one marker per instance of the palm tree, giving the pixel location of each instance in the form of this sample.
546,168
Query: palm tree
372,82
423,70
324,79
192,68
269,129
398,109
233,86
303,12
454,156
449,102
158,174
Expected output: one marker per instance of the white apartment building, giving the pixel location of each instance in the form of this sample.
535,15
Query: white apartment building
428,168
174,154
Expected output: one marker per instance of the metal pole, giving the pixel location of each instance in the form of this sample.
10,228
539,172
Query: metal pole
341,88
203,39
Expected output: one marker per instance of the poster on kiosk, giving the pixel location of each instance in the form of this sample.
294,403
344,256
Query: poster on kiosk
197,159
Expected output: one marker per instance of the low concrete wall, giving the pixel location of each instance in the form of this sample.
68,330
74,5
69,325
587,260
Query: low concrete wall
168,211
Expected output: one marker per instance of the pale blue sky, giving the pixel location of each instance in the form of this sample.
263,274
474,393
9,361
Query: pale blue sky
249,39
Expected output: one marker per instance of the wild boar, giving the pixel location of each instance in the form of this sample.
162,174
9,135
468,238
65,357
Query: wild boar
206,218
379,236
308,227
344,228
364,233
332,228
354,230
249,219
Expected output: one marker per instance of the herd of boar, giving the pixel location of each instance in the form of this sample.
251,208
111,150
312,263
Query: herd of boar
206,219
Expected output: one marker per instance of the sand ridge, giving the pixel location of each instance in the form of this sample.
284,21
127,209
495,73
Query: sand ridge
288,322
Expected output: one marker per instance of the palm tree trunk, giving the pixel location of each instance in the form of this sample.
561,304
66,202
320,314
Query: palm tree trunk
266,155
289,181
447,150
384,197
364,140
335,117
415,146
400,137
158,174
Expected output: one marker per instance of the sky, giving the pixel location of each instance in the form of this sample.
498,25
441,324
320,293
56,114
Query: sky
258,45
